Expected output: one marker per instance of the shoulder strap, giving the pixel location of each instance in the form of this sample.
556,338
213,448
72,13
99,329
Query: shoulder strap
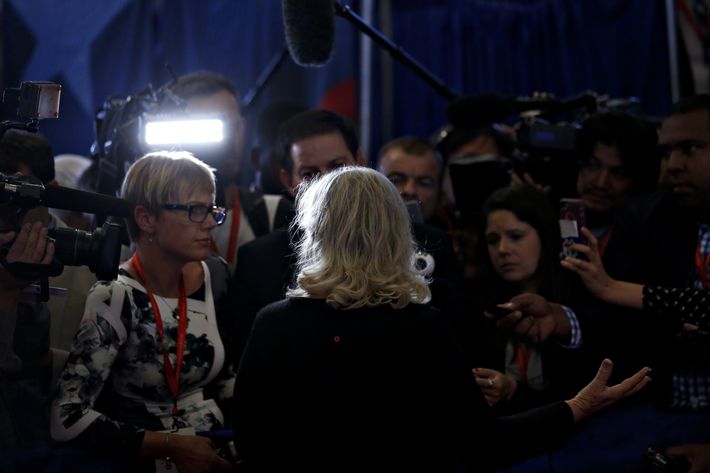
255,210
219,276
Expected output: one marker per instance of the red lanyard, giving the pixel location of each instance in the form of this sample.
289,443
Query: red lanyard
702,265
522,355
233,231
697,27
172,373
604,242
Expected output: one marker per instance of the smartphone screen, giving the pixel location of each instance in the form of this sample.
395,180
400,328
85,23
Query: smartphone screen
572,219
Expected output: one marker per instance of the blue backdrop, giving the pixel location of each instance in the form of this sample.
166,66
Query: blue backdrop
115,47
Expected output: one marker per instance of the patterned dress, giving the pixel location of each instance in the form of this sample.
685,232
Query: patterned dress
113,387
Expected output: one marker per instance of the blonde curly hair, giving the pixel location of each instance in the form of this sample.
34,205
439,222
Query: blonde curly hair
356,247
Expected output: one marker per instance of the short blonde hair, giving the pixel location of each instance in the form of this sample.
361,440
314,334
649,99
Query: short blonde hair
356,247
164,177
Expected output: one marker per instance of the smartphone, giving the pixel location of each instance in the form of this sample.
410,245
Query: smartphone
573,217
494,310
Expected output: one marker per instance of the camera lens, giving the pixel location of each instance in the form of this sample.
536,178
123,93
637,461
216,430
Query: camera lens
100,250
72,246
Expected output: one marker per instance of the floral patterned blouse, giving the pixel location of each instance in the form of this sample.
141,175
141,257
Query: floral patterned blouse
113,386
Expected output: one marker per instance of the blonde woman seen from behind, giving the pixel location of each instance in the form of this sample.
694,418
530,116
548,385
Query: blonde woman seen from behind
354,372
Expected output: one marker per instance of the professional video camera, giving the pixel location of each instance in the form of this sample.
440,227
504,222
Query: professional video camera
99,250
150,120
541,140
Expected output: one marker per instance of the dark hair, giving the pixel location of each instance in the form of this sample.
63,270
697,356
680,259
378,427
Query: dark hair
532,207
312,123
634,138
203,83
264,140
412,145
692,103
30,149
476,115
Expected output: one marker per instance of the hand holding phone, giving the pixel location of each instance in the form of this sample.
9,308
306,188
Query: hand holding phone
572,218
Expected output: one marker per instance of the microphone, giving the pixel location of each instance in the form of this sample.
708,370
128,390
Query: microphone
310,30
72,199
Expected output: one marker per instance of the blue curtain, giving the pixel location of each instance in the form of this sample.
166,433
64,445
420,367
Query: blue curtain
116,47
97,49
515,47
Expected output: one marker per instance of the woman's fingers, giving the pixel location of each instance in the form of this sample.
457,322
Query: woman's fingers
591,239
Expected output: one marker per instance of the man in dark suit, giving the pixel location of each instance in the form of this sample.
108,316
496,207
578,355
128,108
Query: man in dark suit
310,143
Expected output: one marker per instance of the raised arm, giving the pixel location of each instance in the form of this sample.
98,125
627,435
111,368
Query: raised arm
595,278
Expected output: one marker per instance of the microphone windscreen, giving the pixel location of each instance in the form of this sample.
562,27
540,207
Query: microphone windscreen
310,30
58,197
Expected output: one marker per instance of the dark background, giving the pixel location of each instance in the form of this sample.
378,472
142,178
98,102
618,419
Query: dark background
103,48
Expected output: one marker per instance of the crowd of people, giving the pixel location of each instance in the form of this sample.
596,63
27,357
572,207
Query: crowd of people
369,318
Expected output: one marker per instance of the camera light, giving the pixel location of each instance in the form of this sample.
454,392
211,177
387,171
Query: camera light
166,132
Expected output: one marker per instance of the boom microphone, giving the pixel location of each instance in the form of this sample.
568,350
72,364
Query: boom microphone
310,30
59,197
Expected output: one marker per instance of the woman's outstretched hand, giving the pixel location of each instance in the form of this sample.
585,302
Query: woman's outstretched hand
597,395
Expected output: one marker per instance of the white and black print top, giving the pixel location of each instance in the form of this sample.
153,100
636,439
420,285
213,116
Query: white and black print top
113,387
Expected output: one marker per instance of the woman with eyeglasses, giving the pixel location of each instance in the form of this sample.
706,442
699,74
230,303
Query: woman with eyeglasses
147,364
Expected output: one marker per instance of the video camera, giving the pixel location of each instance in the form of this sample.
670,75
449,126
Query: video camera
544,145
150,120
100,249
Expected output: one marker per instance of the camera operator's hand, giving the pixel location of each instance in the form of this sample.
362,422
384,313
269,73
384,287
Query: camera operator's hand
597,395
30,245
527,179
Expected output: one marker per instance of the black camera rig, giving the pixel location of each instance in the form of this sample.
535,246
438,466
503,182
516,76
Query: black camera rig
100,249
545,145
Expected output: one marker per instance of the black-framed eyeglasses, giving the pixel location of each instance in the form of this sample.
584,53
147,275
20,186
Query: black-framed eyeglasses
198,212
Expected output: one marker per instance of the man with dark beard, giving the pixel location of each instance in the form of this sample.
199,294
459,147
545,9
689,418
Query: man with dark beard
618,159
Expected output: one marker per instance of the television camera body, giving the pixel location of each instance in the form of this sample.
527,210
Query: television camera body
545,145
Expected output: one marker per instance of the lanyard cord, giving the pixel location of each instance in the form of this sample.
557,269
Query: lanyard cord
172,373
